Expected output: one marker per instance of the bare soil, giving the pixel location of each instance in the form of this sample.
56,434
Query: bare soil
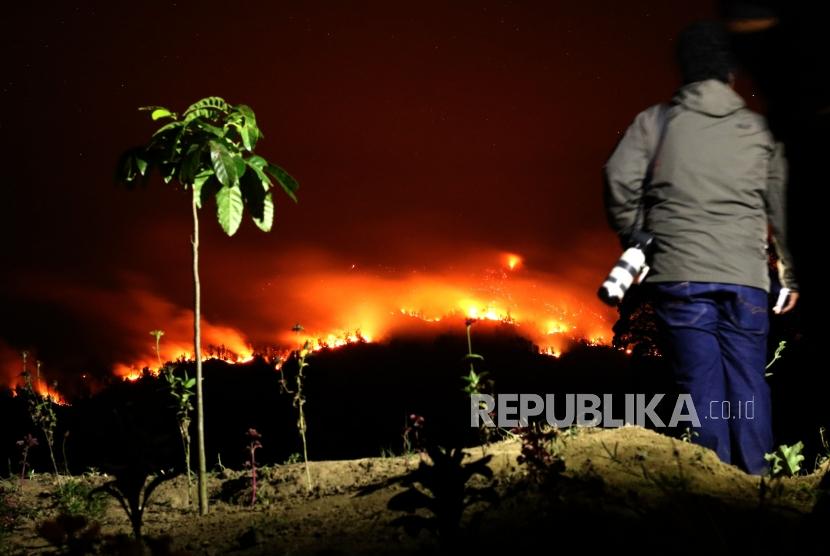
627,486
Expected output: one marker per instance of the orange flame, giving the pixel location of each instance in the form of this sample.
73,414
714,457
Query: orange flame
351,307
550,314
47,391
219,342
345,304
18,380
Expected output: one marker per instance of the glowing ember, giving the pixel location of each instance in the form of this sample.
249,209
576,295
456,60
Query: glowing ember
512,261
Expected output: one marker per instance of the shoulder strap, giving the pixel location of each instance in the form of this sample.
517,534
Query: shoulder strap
662,126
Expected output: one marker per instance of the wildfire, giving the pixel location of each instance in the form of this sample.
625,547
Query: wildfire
353,305
39,385
45,390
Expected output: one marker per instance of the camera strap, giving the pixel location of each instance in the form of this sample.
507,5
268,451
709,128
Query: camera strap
662,126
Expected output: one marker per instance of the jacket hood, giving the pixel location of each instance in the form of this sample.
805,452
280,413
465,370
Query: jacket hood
711,97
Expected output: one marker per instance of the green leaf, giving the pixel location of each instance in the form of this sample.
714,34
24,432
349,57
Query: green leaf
229,207
257,168
245,133
223,164
239,165
168,171
190,165
267,221
289,184
211,129
249,130
140,164
248,113
257,161
475,356
786,460
253,195
206,108
198,183
167,127
160,113
132,163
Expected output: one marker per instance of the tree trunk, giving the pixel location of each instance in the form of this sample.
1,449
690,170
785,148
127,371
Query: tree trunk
197,354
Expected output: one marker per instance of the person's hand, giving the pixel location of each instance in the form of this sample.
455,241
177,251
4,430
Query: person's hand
792,299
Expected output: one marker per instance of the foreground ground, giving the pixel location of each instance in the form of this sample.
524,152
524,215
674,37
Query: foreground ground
627,486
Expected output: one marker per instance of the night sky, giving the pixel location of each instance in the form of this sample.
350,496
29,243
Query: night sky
425,136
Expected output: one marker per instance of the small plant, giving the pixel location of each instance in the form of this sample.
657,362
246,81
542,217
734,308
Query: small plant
253,445
157,334
786,460
181,388
209,149
477,384
76,498
777,355
689,435
41,409
412,435
132,491
63,453
299,398
821,459
296,457
540,451
443,492
25,444
473,381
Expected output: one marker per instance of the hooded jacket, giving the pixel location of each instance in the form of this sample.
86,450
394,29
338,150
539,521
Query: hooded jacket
717,189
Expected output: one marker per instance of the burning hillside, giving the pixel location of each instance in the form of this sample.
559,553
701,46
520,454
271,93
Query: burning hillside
337,308
336,304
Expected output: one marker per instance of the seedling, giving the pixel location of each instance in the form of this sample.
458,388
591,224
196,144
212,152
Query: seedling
473,381
181,388
209,149
25,444
132,491
74,498
157,334
412,435
299,398
476,384
786,460
689,435
777,355
540,451
253,444
41,409
443,492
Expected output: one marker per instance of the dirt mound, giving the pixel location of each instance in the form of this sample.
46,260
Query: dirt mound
627,481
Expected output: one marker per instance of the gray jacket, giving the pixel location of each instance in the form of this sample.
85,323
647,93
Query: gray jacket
717,188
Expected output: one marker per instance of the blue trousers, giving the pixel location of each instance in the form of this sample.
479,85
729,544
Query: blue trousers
716,338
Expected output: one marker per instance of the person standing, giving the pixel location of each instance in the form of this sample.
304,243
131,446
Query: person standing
704,176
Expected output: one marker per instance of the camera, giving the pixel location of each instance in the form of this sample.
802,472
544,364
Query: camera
631,268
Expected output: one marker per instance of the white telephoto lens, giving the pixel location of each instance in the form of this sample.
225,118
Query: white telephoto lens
627,269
